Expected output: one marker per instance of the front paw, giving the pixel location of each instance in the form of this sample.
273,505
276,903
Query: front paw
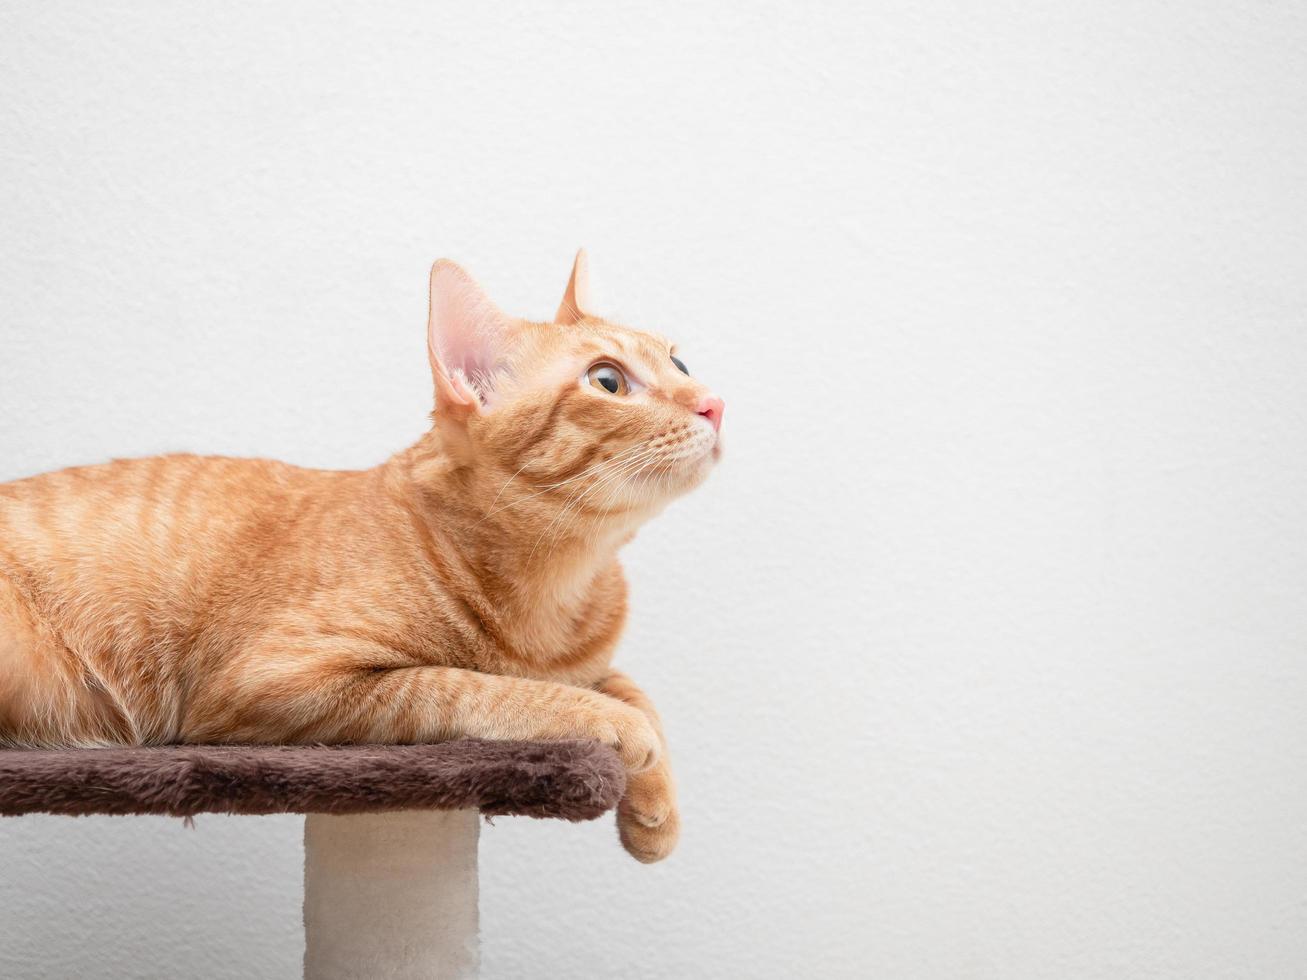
647,821
628,731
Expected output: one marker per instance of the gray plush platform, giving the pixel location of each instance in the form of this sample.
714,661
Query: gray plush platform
569,780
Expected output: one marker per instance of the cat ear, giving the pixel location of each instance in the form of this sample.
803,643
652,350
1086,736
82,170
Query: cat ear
467,337
576,300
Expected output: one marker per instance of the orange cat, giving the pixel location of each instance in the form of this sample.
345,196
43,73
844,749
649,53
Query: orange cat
468,586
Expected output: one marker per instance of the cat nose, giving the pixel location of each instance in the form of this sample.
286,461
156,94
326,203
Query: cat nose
711,408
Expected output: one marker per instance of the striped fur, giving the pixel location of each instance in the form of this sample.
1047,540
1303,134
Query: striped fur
468,586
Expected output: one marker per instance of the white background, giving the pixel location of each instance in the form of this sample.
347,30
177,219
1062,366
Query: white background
982,654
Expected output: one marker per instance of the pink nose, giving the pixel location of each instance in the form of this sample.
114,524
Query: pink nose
711,407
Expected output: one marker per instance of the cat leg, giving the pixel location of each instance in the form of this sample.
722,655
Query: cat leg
48,696
361,699
647,820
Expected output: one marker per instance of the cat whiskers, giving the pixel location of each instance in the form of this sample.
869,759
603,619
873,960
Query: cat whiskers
571,507
613,483
574,501
491,511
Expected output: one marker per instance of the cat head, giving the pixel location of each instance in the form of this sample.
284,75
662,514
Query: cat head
577,410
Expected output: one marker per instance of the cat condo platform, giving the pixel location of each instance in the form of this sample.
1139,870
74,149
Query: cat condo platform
390,836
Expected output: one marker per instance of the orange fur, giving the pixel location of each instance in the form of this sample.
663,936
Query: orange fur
468,586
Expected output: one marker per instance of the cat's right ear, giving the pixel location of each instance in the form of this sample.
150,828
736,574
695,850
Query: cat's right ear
466,339
577,303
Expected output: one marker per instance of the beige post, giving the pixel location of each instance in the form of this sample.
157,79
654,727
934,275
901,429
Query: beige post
391,895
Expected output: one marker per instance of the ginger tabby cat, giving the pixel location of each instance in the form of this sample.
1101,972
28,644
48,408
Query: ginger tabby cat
468,586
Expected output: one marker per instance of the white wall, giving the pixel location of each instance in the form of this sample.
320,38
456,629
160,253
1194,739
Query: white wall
982,654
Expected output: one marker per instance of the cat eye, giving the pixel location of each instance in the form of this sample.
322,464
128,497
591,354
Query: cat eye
680,364
608,377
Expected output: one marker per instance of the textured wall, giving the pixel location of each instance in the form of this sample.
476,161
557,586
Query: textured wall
982,654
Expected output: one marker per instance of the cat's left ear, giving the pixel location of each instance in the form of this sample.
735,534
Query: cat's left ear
576,303
467,339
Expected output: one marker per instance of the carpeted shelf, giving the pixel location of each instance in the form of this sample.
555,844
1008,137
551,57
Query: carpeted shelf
568,780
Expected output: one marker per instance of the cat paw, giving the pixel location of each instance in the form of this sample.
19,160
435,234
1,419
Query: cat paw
633,737
647,821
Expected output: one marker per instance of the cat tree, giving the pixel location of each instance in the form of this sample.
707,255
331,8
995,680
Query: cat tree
390,836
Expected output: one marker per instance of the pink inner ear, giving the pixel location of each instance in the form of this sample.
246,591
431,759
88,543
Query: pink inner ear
465,390
467,332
